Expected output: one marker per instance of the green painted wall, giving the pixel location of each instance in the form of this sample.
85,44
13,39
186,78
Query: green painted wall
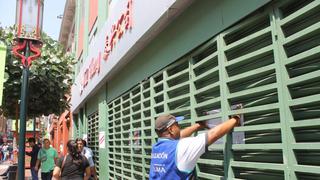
103,126
102,14
201,21
3,52
92,104
86,30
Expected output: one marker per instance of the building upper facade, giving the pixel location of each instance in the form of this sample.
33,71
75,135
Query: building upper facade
66,36
111,42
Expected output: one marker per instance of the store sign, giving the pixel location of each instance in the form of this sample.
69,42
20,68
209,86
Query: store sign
127,27
123,24
90,72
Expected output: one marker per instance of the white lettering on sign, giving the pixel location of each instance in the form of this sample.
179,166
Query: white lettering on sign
159,168
161,155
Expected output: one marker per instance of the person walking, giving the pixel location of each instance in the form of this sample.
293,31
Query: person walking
175,154
1,153
48,158
33,154
73,166
5,151
87,152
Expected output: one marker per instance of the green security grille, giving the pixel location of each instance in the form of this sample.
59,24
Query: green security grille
268,62
76,128
93,137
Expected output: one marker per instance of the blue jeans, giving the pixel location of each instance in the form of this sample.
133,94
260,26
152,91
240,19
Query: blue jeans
34,173
5,154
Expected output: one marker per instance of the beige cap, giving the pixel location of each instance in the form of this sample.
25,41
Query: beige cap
166,120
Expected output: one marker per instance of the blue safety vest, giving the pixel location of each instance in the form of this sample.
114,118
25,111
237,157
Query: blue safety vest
163,161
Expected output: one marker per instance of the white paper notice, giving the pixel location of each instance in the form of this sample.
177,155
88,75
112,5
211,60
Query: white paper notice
237,137
102,139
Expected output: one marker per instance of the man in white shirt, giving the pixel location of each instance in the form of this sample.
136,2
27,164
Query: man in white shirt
175,154
87,152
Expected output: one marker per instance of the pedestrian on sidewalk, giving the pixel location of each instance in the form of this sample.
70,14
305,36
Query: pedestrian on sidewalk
10,149
175,154
73,166
87,152
1,153
48,157
5,151
34,155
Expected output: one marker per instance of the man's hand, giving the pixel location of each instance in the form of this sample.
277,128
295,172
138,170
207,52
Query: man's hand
36,168
203,124
238,118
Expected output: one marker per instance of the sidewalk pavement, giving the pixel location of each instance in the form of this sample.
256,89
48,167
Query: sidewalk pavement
6,164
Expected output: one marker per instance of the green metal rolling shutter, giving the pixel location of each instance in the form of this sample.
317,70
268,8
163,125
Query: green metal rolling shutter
93,137
130,134
299,66
268,62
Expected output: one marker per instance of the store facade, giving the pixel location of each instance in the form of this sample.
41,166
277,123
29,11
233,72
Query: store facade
139,59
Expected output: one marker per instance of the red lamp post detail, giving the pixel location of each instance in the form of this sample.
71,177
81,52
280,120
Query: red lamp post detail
21,46
28,29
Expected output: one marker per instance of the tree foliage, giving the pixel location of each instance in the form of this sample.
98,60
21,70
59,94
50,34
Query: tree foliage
50,78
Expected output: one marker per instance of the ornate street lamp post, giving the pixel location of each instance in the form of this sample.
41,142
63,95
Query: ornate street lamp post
26,47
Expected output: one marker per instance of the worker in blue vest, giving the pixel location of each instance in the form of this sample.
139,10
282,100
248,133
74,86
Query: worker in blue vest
175,154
